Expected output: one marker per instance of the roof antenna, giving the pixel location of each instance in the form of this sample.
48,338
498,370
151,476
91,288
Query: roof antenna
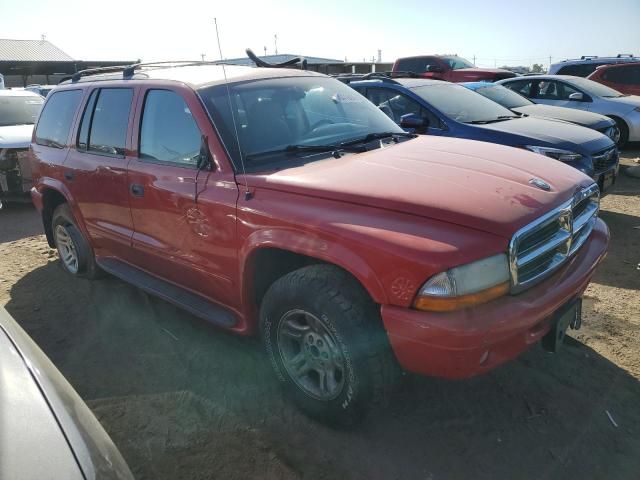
247,192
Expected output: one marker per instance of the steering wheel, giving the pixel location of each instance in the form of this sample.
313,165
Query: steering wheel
319,123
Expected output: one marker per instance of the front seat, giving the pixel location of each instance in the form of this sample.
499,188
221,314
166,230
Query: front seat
266,127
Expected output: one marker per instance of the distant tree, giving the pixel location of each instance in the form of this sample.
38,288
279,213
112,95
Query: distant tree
537,68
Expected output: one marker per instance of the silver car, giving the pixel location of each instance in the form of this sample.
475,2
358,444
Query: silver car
46,430
583,94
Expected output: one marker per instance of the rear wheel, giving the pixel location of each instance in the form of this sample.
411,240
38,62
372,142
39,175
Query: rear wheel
74,250
326,343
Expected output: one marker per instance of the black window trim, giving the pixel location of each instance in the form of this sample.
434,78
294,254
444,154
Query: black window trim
87,151
84,111
142,111
35,127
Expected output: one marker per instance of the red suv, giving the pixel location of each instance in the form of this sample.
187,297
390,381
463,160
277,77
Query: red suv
623,77
450,68
283,201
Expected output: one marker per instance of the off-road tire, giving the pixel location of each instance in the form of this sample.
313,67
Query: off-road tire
339,301
87,267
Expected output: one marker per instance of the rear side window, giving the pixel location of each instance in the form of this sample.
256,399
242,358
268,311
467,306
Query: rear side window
55,121
523,87
109,121
169,133
83,137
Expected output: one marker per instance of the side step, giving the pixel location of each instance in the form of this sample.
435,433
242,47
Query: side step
191,302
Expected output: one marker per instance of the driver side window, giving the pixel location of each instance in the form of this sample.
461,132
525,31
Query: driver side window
395,105
169,133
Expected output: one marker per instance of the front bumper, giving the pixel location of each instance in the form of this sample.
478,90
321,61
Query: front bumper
469,342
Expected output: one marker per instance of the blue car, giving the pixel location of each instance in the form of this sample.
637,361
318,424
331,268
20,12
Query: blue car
435,107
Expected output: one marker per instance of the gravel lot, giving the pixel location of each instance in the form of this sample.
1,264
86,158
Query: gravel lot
185,401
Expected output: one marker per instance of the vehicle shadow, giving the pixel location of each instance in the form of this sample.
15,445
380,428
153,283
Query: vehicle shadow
18,221
182,399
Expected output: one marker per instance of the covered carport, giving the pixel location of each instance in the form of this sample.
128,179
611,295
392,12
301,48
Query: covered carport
25,62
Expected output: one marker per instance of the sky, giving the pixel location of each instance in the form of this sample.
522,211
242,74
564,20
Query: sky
496,32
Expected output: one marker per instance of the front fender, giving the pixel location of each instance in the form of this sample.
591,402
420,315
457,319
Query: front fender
312,246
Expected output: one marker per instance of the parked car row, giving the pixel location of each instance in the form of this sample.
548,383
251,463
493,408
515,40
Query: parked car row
283,202
448,109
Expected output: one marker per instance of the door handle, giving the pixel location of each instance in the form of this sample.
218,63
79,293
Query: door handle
68,175
137,190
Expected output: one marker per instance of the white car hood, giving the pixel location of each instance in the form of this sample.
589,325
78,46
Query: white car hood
15,136
631,101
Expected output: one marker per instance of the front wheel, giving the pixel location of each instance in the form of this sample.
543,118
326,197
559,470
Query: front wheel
326,344
623,137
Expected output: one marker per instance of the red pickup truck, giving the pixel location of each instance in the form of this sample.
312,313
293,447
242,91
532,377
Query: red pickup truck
283,202
450,68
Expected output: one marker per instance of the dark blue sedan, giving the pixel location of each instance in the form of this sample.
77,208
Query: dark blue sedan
441,108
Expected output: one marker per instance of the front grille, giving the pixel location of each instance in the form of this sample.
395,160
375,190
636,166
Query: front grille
605,159
544,245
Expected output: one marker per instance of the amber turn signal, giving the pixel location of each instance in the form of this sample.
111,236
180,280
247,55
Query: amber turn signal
449,304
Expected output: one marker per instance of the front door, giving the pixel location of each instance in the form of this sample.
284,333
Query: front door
184,219
557,93
96,170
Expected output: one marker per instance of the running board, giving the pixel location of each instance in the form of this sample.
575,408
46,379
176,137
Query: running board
191,302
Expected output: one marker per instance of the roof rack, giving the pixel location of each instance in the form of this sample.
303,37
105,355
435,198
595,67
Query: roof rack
620,55
129,70
588,57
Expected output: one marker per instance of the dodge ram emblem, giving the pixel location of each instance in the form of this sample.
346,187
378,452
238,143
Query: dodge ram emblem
541,184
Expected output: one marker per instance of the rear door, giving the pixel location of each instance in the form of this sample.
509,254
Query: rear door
184,219
96,169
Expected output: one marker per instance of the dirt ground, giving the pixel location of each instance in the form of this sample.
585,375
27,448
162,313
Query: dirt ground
183,400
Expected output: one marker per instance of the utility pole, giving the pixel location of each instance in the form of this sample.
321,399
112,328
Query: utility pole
474,59
202,55
275,41
265,51
549,62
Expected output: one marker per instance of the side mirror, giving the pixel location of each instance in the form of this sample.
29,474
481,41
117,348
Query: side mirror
433,69
205,162
415,122
576,97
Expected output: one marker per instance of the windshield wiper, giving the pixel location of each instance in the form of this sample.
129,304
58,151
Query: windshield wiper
501,118
378,136
293,149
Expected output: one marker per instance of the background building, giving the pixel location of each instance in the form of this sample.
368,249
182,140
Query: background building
24,62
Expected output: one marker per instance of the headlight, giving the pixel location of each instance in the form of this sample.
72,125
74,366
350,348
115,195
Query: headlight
556,153
465,286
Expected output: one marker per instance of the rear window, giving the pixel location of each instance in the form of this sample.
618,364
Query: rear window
55,121
580,69
628,75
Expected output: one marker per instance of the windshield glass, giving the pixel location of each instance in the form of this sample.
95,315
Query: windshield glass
595,89
456,63
19,110
502,95
272,114
461,104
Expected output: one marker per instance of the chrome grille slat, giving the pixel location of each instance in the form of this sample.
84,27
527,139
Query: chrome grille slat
544,245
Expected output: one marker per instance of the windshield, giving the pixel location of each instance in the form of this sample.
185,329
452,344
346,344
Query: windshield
502,95
19,110
596,89
456,63
461,104
272,114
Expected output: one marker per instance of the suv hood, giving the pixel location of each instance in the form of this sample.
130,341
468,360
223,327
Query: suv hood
473,184
586,119
15,136
552,133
